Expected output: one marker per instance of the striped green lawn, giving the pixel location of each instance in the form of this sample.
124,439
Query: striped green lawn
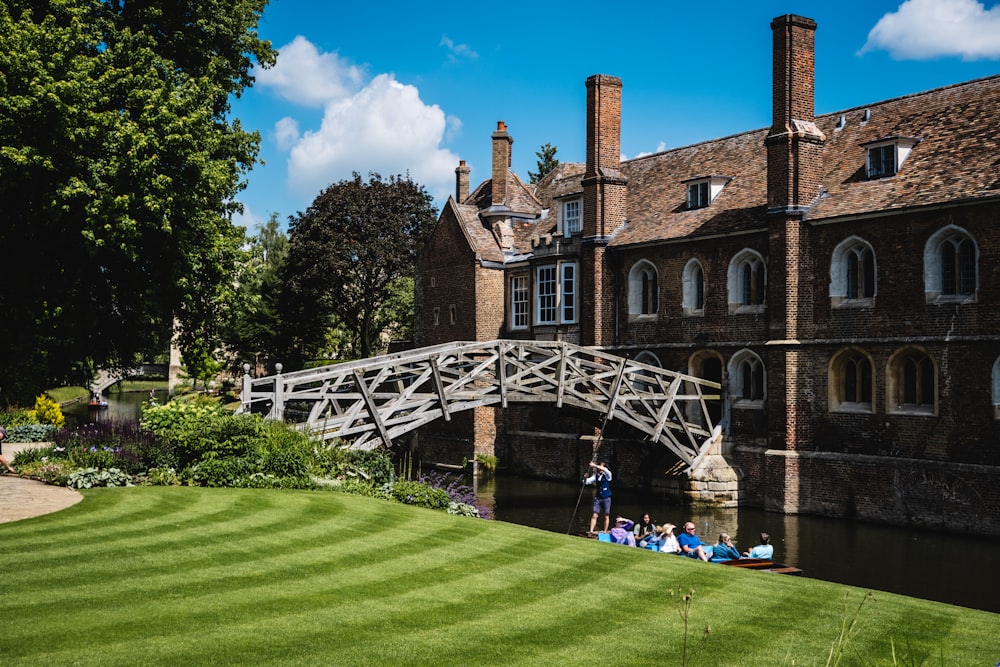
184,576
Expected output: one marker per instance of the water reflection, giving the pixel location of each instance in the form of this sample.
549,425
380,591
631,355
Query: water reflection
925,564
122,406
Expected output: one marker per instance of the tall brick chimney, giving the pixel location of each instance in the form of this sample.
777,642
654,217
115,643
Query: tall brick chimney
501,163
604,202
462,181
794,142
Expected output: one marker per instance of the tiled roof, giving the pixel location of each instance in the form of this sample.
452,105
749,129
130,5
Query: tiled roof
657,194
957,158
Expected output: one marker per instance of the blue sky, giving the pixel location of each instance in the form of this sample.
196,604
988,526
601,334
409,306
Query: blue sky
403,87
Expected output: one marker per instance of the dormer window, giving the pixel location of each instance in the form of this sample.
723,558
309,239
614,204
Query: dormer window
571,218
702,190
885,157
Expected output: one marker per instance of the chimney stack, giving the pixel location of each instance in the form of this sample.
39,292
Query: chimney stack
794,144
462,181
604,120
501,163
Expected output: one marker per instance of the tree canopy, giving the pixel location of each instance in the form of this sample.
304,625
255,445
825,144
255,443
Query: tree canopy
347,253
546,162
119,169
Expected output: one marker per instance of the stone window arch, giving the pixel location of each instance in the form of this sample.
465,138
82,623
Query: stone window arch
643,290
747,379
911,382
694,288
852,273
951,261
746,282
851,384
709,365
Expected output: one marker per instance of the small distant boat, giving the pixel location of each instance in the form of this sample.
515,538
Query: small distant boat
98,403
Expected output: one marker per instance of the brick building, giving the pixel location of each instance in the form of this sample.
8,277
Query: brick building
839,274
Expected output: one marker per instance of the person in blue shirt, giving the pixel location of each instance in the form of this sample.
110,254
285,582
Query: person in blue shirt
690,542
762,550
601,477
725,550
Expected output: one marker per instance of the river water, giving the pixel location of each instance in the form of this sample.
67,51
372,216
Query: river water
956,569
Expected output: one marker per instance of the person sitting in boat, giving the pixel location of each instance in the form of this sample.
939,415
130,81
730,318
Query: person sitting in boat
724,550
622,532
666,541
690,543
644,530
762,550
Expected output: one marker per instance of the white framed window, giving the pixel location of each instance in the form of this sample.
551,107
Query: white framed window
452,314
951,261
746,282
643,289
885,157
437,316
911,382
519,302
556,293
702,190
852,273
572,217
747,381
693,293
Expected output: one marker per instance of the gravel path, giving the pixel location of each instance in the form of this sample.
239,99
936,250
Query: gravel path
25,498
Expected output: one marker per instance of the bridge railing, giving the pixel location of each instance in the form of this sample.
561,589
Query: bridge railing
378,399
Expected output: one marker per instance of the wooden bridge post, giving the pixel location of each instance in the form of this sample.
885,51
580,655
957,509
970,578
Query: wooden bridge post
245,391
278,407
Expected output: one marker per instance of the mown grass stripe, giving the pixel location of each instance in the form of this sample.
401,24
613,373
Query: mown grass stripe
315,578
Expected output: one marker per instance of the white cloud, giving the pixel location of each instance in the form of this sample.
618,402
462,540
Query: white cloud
286,132
932,28
385,128
305,76
660,147
457,52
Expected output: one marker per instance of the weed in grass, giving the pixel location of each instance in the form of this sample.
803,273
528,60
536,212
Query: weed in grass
851,625
684,603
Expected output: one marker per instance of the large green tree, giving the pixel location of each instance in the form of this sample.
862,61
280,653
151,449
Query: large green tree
547,162
348,251
119,168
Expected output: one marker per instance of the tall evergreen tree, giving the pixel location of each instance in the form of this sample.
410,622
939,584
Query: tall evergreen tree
546,162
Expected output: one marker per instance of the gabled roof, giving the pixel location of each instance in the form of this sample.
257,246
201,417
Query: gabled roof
956,159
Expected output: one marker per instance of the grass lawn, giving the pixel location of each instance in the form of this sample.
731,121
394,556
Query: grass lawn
184,576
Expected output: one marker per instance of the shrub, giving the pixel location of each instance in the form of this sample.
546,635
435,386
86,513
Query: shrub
51,471
336,460
161,477
88,478
117,444
180,422
31,433
48,411
33,455
420,494
222,472
13,417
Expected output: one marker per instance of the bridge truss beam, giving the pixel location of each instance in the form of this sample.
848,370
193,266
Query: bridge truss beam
375,400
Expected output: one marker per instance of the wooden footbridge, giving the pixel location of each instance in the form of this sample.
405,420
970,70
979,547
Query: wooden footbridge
373,401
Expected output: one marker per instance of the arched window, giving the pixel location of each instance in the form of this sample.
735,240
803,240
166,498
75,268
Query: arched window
694,288
708,365
951,260
643,289
746,282
852,381
747,382
911,382
852,273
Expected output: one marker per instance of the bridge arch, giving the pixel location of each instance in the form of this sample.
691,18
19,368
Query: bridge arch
373,401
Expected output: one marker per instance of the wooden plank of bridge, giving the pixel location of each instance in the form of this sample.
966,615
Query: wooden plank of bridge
372,407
